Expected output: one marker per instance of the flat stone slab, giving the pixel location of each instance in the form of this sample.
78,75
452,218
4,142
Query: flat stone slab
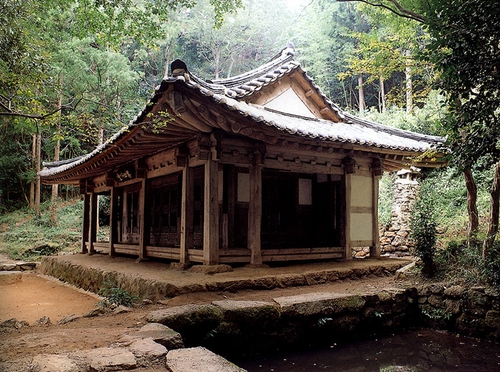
198,359
234,305
319,303
147,348
249,314
110,359
179,317
160,334
54,363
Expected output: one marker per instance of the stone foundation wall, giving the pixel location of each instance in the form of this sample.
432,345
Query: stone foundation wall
469,311
320,319
93,279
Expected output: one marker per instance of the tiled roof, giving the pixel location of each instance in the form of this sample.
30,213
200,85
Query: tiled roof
231,93
246,84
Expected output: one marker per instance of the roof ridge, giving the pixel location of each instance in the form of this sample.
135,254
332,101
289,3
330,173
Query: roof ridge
285,56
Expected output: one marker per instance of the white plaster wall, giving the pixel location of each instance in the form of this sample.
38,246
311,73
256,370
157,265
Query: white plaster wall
290,102
361,191
361,226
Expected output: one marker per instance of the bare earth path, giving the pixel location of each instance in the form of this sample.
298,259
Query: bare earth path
33,296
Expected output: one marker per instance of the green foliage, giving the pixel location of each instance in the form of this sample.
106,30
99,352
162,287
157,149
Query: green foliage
436,314
114,296
460,262
426,119
424,229
464,48
492,265
386,199
25,237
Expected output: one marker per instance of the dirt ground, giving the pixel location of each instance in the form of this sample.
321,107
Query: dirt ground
33,296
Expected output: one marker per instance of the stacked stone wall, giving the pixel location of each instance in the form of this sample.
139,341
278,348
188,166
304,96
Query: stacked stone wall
395,239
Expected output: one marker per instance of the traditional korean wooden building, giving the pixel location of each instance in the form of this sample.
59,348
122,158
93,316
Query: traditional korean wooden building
256,168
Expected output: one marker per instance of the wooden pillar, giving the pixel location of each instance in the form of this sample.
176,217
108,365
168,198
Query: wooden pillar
375,248
347,218
93,222
187,209
143,234
86,222
113,223
211,214
255,215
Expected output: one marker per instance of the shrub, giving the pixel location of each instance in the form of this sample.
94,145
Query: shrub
115,296
424,229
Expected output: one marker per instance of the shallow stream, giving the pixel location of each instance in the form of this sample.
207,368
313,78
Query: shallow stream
415,351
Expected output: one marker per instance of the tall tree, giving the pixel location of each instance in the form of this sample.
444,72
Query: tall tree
465,49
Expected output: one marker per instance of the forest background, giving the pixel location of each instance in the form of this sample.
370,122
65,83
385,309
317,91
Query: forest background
72,72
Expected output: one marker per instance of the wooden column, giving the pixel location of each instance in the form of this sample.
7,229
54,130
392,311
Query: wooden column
113,223
375,248
86,222
349,165
143,234
187,208
211,215
347,218
93,222
255,215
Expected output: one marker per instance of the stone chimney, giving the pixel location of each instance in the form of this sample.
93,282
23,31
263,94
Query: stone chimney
394,239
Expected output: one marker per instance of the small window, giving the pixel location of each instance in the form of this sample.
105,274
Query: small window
305,191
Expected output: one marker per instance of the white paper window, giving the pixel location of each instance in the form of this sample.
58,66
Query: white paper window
305,191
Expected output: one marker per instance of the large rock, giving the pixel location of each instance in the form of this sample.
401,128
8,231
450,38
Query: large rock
186,316
252,314
319,304
148,349
110,359
161,334
198,359
54,363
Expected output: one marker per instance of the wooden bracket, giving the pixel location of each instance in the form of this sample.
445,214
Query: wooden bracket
181,155
349,165
141,168
377,167
203,150
259,153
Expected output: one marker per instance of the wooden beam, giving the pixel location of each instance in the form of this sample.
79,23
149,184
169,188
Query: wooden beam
211,214
255,215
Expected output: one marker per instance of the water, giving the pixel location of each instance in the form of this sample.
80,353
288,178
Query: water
413,351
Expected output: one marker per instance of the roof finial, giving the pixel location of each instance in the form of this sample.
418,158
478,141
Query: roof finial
289,49
178,67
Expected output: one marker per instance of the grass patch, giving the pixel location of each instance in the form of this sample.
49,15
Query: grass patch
115,296
26,237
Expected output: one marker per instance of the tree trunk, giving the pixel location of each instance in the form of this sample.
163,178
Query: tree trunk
33,165
409,84
361,93
473,225
494,212
55,188
38,166
382,94
217,62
